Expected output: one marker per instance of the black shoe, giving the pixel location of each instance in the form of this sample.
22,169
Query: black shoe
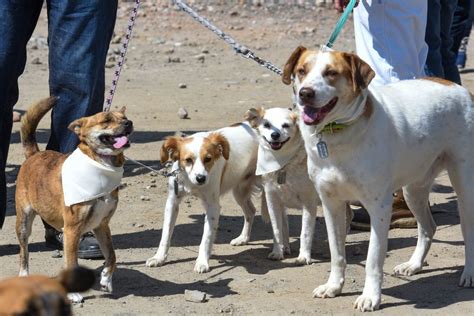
88,245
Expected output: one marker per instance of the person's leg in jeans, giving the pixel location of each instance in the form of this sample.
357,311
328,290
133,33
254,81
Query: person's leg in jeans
79,34
461,29
441,61
16,26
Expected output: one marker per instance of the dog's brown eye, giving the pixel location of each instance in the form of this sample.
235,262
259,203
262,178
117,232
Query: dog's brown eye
189,161
285,125
266,125
301,72
207,159
330,73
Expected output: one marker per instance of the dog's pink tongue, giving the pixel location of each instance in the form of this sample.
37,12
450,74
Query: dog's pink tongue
310,115
120,142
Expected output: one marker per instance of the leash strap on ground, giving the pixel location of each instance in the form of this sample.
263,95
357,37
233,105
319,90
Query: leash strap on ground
123,52
238,48
340,23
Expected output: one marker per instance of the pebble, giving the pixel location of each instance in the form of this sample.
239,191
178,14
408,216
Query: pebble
182,113
117,39
195,296
205,51
200,57
36,61
144,198
56,254
109,65
228,309
182,86
174,60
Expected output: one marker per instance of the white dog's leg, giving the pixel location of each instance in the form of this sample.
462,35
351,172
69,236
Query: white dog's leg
171,212
211,223
417,201
276,211
242,195
104,237
335,217
463,182
307,231
286,232
380,213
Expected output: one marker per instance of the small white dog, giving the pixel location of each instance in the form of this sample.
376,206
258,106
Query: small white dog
210,164
282,164
363,143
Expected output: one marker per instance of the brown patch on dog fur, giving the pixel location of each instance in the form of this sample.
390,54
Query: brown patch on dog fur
41,295
253,116
213,147
354,69
289,67
171,148
294,117
439,80
305,64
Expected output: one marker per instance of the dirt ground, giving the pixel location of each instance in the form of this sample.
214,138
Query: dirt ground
220,87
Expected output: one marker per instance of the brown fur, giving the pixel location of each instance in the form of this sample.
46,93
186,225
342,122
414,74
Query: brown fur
289,67
439,80
253,116
41,295
39,188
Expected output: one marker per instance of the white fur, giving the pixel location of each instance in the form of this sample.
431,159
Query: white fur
236,174
417,129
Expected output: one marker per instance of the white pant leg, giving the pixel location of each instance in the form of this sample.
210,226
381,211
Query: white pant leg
390,37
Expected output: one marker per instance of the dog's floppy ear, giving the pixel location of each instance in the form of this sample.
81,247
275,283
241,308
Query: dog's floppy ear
294,117
362,74
253,116
170,149
222,144
291,63
76,125
77,279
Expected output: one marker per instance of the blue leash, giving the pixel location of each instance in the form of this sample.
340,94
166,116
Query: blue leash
340,23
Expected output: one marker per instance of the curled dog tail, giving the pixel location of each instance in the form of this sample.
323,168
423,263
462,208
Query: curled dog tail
29,123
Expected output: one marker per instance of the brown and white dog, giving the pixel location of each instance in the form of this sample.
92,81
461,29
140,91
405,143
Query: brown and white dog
210,164
364,143
282,165
39,189
42,295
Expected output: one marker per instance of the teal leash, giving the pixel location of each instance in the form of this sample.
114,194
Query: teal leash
340,23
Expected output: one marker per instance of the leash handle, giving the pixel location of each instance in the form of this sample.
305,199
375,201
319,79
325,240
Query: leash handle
340,23
123,52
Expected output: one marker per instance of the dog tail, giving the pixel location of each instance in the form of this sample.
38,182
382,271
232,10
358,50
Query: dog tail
29,123
77,279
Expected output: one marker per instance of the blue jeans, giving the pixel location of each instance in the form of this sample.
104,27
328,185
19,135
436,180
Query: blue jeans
441,60
462,23
79,34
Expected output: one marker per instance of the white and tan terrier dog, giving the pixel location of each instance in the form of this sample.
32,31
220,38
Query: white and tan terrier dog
74,193
364,143
209,164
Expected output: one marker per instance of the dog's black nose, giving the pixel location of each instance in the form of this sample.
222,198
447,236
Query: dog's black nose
200,178
128,123
275,135
306,94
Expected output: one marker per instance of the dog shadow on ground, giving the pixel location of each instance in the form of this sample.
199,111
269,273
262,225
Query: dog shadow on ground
422,295
129,281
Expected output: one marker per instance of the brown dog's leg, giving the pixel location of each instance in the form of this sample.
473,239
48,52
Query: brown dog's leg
72,234
104,237
24,221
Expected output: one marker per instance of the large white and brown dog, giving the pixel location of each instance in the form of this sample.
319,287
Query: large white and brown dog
282,164
210,164
363,143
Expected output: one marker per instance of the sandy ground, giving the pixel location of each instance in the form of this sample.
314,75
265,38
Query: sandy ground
219,90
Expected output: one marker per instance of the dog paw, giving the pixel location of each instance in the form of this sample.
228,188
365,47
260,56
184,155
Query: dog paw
407,269
155,262
201,267
467,279
367,303
75,298
276,255
327,290
303,260
240,241
106,281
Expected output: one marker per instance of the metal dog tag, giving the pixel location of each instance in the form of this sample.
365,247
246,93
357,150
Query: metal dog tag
175,186
281,177
322,149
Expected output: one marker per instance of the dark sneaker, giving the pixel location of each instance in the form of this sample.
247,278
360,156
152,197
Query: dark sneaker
88,245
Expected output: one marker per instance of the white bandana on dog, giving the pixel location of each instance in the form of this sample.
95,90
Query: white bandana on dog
269,160
85,179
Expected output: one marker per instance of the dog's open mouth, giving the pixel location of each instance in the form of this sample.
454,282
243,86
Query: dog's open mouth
117,141
312,116
277,145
